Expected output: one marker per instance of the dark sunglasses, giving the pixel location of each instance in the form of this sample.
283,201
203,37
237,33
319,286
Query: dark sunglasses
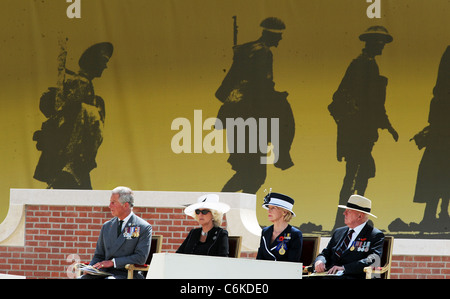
204,212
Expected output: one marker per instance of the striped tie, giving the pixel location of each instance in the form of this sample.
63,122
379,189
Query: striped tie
344,244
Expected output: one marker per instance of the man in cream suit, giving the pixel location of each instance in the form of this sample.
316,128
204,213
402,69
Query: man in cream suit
125,239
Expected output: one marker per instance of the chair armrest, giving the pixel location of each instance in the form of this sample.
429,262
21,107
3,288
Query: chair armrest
307,269
374,270
135,267
143,267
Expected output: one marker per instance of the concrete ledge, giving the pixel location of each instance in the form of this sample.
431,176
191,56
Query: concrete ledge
241,219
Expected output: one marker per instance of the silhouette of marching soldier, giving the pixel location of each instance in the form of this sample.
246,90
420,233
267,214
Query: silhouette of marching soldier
433,177
358,110
70,137
248,91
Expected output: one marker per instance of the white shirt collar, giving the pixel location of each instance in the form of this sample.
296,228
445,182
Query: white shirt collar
125,220
357,230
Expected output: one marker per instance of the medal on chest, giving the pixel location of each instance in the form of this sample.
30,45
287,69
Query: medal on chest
282,243
360,245
131,232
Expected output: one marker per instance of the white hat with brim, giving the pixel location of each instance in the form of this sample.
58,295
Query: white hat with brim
209,202
359,203
279,200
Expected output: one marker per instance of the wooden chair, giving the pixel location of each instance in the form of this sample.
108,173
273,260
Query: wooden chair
310,250
234,246
155,247
384,271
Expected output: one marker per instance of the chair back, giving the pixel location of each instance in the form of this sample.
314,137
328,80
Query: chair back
386,257
310,249
234,246
155,247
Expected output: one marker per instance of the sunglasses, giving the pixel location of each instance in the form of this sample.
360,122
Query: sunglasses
204,212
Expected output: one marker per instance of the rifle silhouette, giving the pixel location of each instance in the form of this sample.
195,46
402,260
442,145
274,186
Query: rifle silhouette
235,30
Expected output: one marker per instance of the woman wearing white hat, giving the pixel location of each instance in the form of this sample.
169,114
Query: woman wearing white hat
210,238
280,241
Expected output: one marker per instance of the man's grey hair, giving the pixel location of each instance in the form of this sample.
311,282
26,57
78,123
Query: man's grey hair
125,195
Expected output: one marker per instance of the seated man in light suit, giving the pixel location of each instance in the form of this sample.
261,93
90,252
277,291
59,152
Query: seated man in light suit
354,246
125,239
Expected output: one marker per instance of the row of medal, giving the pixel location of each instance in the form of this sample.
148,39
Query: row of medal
131,232
360,246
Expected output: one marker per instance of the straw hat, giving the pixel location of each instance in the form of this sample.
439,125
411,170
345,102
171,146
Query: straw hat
359,203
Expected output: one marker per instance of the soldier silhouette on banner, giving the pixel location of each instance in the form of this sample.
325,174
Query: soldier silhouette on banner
248,91
358,109
71,135
433,176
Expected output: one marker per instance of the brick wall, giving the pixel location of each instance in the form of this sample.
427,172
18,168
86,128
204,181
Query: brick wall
53,233
420,267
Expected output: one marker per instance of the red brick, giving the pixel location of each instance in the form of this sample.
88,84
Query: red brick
422,270
408,264
423,258
445,271
436,265
57,220
57,208
165,210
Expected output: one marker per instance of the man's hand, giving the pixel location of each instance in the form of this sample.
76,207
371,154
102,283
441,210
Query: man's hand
335,269
104,264
319,266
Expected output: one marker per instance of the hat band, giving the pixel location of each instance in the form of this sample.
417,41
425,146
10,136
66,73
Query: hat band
281,203
353,206
273,30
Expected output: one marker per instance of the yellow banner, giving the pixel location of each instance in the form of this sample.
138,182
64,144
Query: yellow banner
147,120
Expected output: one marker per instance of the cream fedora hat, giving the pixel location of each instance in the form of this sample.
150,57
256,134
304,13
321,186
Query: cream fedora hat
359,203
207,201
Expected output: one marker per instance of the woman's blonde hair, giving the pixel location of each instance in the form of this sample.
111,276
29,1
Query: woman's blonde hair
288,216
216,217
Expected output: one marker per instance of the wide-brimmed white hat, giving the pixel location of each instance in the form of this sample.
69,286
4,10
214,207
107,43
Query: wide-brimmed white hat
279,200
359,203
207,201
